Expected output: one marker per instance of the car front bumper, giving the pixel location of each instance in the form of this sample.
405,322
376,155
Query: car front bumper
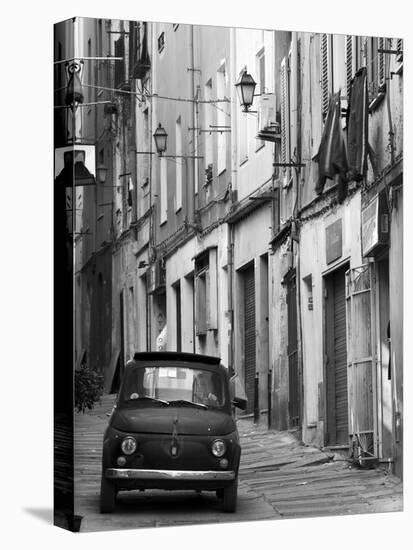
168,475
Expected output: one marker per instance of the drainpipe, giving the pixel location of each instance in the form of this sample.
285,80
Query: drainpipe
296,141
294,112
192,117
233,187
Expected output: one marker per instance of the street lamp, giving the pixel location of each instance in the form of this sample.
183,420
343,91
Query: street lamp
101,172
160,137
245,88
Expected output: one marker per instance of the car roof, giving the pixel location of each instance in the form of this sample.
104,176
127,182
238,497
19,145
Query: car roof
177,356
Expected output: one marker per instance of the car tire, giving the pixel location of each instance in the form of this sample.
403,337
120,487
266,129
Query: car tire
107,496
230,493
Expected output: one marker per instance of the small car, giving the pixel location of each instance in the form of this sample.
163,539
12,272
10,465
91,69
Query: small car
172,428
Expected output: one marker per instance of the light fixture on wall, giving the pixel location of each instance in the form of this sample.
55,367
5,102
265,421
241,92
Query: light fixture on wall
101,172
160,136
245,88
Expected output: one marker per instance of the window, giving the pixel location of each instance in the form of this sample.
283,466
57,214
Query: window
375,63
179,162
221,121
260,65
206,292
119,63
161,42
164,189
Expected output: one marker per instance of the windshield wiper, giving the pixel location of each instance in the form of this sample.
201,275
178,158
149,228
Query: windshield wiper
189,403
147,398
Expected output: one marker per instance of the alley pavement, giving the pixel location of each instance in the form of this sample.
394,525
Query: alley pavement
279,478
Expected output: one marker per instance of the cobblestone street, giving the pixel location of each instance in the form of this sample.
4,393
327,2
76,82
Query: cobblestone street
279,478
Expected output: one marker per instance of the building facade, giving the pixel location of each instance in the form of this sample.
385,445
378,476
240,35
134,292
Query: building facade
269,236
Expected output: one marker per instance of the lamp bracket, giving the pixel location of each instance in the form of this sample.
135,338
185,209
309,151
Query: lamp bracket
289,164
183,156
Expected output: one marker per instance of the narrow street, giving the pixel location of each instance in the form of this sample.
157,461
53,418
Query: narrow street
279,478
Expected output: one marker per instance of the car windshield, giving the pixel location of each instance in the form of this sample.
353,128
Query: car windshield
181,386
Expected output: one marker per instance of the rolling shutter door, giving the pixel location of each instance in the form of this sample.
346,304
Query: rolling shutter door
249,335
340,359
294,405
336,359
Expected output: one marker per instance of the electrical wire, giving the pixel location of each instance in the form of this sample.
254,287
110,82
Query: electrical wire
157,96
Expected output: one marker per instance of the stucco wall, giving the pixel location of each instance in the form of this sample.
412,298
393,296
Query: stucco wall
313,262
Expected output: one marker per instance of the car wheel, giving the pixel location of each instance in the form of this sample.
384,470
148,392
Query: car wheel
107,496
229,503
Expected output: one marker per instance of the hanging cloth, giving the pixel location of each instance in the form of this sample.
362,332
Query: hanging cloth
357,126
331,156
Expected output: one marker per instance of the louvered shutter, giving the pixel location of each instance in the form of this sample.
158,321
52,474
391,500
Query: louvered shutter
285,120
325,73
381,63
399,48
349,61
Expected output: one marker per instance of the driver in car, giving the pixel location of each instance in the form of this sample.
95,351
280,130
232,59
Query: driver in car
204,391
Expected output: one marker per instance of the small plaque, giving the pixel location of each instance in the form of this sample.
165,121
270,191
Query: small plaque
334,241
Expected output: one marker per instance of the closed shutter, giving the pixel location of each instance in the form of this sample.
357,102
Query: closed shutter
340,360
361,363
381,63
336,359
119,63
399,48
249,335
349,61
285,119
294,382
326,79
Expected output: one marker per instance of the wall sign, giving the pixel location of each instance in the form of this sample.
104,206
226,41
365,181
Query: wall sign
374,225
334,241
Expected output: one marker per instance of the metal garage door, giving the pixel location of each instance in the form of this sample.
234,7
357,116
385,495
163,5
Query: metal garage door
336,359
294,383
249,335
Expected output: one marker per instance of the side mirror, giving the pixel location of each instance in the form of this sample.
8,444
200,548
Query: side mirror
240,403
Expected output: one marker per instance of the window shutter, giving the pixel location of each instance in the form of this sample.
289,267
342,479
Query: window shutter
325,73
381,62
200,303
349,62
285,118
399,48
119,63
212,291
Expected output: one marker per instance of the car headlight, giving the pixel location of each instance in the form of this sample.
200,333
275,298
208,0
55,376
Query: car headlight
218,448
128,445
